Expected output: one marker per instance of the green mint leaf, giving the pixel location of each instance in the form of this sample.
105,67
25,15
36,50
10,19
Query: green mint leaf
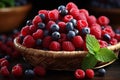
105,55
89,62
92,44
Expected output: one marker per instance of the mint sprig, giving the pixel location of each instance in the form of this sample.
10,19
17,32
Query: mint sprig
95,53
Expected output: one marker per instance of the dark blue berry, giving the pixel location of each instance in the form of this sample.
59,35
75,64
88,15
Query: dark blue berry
61,7
54,27
29,22
7,57
38,42
29,73
69,26
102,27
101,72
46,32
117,31
70,34
76,31
74,21
55,35
85,31
42,16
107,37
41,25
63,12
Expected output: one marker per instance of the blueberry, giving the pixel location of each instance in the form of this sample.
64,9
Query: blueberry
102,27
70,34
101,72
63,12
85,31
117,31
61,7
38,42
76,31
55,35
46,32
7,57
54,27
107,37
69,26
41,25
29,22
74,21
42,16
29,73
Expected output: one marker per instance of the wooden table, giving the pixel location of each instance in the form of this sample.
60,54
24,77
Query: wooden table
113,73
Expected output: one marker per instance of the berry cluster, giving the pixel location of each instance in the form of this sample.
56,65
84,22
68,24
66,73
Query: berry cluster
65,29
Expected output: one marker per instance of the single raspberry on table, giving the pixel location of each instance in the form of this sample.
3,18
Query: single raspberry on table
89,73
79,74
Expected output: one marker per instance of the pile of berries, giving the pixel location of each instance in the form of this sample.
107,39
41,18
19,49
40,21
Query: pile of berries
65,29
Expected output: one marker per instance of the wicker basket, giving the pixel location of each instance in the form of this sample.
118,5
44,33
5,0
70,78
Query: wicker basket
58,60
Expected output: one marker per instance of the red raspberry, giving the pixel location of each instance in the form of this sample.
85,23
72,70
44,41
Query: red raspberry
71,5
63,37
96,30
38,34
113,41
40,71
36,20
102,43
28,41
108,30
68,46
62,27
55,46
45,12
3,47
84,46
32,28
53,15
103,20
78,41
84,11
117,36
8,50
90,73
4,63
10,44
25,31
4,71
91,20
79,74
49,25
2,59
15,54
46,41
81,24
67,18
17,70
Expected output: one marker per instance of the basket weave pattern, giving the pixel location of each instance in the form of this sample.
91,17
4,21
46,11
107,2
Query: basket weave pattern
57,60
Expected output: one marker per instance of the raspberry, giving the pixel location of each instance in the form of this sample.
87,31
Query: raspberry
4,63
113,41
79,74
91,20
38,34
67,18
117,36
28,41
3,47
49,25
15,54
4,71
36,20
8,50
103,20
40,71
53,15
17,70
78,41
68,46
46,41
32,28
10,44
71,5
2,59
63,38
45,12
55,46
102,43
90,73
96,31
62,27
25,31
84,11
81,24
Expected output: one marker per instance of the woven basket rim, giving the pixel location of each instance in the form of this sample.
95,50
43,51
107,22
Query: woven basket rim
58,53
